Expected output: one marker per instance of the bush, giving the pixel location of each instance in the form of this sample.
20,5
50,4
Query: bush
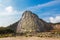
5,30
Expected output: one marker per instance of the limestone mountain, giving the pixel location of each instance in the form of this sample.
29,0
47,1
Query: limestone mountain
30,22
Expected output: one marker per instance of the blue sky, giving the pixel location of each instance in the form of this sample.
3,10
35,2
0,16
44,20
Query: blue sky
11,10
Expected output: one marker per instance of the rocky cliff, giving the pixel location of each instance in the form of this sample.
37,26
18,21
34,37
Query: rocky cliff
30,22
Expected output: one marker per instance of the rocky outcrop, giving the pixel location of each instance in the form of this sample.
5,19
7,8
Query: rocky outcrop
31,23
56,27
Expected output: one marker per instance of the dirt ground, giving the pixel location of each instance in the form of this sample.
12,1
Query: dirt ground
28,38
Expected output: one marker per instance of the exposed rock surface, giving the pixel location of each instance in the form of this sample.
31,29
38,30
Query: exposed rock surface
30,22
56,27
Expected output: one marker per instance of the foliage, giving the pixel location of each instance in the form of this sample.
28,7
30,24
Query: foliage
5,30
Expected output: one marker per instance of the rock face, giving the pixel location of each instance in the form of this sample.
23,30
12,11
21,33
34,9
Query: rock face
30,22
56,27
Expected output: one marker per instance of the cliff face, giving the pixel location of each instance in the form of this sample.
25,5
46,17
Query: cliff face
30,22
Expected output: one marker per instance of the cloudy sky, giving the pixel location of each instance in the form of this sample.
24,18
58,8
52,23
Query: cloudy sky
11,10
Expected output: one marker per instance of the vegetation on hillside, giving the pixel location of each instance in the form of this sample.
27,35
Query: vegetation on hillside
6,32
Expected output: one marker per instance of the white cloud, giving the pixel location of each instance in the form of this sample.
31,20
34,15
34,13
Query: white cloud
5,21
54,20
9,9
39,6
8,16
49,9
0,5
